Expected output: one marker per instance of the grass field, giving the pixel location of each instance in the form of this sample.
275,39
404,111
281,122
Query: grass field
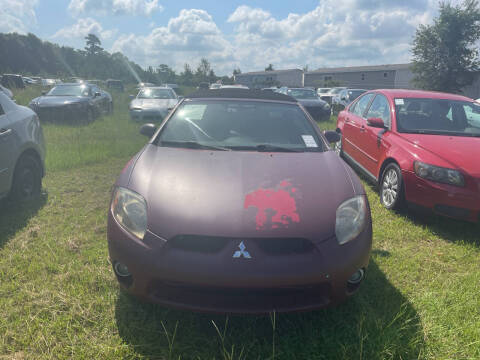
59,298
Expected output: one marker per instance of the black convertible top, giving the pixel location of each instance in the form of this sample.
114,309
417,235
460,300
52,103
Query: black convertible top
230,93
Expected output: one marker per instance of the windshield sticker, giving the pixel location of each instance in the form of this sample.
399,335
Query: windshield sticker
309,141
399,102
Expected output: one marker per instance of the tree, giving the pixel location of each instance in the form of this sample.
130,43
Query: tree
444,53
93,44
269,67
186,76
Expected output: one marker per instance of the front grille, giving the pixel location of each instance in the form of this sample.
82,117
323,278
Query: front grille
241,299
50,114
284,246
452,211
214,244
196,243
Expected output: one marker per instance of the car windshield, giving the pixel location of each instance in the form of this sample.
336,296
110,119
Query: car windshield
240,125
437,116
156,94
302,93
69,90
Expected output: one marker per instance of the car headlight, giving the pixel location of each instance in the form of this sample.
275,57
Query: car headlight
130,210
351,219
438,174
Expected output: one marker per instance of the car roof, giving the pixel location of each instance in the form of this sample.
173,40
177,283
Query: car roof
228,93
407,93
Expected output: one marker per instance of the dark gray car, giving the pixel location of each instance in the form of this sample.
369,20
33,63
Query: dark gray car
22,151
72,102
318,109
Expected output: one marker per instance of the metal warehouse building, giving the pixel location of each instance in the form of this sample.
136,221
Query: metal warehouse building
363,77
261,79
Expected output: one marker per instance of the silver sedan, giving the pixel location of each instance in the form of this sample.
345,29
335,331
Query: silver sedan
22,151
153,104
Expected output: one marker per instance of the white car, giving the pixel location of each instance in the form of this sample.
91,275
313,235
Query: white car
22,151
153,104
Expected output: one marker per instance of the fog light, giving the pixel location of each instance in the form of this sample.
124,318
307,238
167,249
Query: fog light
121,269
357,277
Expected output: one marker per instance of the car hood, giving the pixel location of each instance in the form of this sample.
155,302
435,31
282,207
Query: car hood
242,194
452,151
311,102
59,100
153,103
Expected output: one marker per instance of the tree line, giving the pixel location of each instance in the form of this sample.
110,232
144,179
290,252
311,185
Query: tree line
29,55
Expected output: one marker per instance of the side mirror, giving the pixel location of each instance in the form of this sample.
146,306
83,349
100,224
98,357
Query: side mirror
344,98
44,93
332,136
97,94
375,122
148,129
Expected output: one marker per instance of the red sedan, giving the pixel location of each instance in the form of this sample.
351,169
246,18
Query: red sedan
418,146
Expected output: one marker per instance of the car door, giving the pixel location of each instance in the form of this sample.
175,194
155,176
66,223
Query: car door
6,149
354,126
373,142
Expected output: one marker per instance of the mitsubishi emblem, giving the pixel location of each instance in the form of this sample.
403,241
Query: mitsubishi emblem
242,252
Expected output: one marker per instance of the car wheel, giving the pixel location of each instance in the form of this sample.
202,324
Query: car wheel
391,187
338,147
27,179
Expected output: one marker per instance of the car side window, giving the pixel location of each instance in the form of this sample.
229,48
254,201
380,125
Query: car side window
362,104
380,109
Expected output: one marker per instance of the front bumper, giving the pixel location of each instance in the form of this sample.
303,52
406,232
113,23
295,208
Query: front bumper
61,113
148,115
210,279
447,200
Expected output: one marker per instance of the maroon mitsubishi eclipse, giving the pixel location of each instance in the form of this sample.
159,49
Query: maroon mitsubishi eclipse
238,205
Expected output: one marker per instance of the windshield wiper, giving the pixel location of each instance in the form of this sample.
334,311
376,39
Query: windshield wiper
192,145
267,148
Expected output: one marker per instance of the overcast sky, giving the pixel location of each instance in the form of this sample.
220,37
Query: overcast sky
238,33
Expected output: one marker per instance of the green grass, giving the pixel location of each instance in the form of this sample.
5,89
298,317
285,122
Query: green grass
59,298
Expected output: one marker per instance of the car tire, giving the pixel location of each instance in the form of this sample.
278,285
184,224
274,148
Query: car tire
338,146
391,187
27,179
